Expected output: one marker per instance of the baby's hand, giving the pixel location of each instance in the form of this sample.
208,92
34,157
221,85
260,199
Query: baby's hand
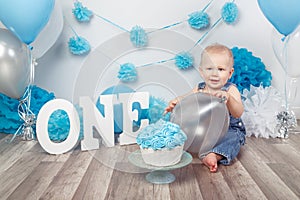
171,106
222,95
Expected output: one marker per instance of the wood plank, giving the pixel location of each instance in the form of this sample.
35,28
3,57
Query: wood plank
36,183
280,152
185,186
264,169
294,141
14,175
289,154
161,192
289,175
240,182
96,180
212,185
125,185
4,142
12,152
3,135
141,189
266,179
264,149
68,178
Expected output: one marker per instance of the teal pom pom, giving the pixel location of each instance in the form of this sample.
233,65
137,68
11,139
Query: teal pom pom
138,36
9,118
59,125
156,109
184,60
198,20
82,14
230,12
127,72
78,45
249,70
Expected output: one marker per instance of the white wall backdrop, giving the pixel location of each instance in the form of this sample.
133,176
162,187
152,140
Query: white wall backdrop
58,69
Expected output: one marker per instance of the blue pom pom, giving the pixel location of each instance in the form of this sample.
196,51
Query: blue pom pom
9,118
249,70
184,60
127,72
82,14
230,12
39,97
156,109
138,36
78,45
198,20
59,125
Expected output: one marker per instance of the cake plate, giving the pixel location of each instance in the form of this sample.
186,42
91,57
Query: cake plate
159,175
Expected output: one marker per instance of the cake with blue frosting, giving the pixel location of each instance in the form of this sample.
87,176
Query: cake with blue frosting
161,143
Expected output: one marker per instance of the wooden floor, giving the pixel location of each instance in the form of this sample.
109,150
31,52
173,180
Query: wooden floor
264,169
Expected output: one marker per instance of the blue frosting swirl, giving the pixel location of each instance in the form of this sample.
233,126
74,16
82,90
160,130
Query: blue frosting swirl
161,134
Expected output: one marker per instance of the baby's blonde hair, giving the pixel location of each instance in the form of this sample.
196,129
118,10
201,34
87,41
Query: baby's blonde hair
217,48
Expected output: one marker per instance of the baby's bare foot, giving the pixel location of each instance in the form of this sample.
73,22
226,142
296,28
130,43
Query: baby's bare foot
211,161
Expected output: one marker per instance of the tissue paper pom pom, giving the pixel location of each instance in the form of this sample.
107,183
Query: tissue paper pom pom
39,97
78,45
198,20
9,118
156,109
59,125
184,60
138,36
82,14
127,72
229,12
260,108
249,70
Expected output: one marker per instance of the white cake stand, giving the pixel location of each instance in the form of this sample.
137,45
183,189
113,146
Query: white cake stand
159,175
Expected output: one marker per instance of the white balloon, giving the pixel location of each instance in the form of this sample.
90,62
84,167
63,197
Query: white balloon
49,35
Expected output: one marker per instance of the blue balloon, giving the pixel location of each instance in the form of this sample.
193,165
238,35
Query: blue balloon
118,111
26,18
284,15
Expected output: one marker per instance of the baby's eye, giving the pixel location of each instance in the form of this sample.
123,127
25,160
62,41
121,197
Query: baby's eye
221,69
208,68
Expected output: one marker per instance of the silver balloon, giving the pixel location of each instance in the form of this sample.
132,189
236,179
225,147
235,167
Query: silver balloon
204,119
15,65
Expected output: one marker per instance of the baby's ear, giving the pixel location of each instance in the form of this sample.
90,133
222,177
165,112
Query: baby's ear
231,72
201,71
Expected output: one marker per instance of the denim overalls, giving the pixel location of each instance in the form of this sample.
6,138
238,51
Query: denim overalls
230,145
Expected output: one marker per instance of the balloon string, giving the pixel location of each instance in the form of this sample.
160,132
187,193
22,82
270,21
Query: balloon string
23,111
285,68
15,134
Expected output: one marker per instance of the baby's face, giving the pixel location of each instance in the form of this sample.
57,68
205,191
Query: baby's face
216,69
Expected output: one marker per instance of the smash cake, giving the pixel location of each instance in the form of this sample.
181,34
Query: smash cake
161,143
